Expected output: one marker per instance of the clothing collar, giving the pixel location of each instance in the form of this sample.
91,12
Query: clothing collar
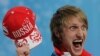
59,52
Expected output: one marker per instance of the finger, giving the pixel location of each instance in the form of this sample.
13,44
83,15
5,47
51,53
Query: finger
18,44
26,53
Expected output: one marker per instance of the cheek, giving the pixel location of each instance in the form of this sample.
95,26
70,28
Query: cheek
69,35
85,34
67,42
67,38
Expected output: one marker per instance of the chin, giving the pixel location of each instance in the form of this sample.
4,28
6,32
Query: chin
76,53
76,47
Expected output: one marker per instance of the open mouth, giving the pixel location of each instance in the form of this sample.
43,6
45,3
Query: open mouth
77,43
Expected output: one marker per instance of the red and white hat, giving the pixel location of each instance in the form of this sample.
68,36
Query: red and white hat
19,25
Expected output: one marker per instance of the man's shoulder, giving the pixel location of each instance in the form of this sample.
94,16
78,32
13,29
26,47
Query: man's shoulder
85,53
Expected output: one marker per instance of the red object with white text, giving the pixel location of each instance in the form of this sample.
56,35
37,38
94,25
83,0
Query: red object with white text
60,53
19,25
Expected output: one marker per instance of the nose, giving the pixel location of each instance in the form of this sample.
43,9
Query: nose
80,33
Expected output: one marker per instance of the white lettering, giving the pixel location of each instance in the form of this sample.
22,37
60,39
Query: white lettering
26,27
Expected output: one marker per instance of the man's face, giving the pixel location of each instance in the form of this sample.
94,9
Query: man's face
73,36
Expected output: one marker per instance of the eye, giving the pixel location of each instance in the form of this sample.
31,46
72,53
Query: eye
72,28
84,28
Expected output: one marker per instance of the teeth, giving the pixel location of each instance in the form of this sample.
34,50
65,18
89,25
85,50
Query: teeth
78,41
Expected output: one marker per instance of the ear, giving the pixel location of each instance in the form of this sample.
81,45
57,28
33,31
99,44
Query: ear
58,34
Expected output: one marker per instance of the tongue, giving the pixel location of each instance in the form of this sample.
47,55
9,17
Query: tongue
77,44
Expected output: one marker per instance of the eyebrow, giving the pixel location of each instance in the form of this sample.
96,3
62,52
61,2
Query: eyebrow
73,24
77,25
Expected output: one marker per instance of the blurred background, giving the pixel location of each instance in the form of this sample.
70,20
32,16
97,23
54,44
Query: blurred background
44,10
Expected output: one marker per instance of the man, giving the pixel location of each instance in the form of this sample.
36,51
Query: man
69,30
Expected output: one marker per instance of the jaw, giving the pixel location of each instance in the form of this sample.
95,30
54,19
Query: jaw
77,47
77,51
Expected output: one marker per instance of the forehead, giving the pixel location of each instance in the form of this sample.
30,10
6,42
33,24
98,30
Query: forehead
74,20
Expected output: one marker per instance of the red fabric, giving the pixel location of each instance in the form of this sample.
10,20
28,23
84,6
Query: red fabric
19,25
84,53
15,19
